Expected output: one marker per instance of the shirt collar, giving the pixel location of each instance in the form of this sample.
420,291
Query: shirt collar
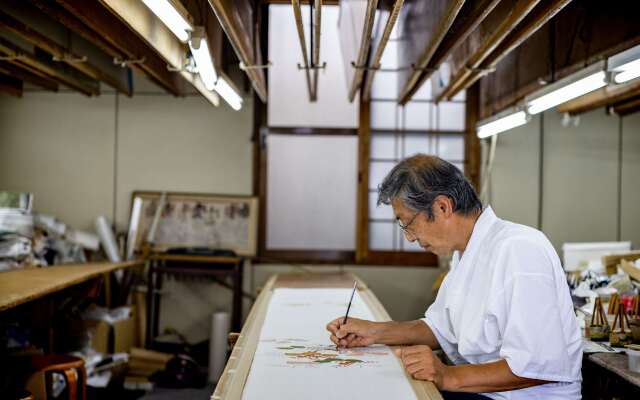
480,230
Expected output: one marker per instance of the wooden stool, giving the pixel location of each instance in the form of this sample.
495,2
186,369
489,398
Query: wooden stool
71,368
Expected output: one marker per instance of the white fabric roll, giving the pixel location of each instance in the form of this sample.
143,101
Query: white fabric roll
107,239
220,322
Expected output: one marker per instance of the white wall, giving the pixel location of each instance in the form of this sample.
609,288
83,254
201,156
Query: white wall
78,154
580,170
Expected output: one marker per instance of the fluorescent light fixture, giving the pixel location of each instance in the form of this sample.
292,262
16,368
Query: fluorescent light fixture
173,16
202,56
228,93
625,65
501,124
628,71
567,92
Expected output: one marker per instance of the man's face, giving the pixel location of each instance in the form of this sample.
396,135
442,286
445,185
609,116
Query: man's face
432,235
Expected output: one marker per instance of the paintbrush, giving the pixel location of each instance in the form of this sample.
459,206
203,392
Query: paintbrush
346,315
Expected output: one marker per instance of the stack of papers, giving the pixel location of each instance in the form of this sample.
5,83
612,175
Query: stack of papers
16,229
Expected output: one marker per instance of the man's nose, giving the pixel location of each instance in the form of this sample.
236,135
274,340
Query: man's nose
410,236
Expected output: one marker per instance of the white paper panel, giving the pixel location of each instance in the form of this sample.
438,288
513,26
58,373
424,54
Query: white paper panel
383,146
379,212
425,92
294,325
381,235
288,103
311,199
451,116
377,172
390,56
384,115
414,144
418,116
451,147
385,86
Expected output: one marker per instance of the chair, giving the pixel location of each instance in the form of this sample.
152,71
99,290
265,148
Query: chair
70,367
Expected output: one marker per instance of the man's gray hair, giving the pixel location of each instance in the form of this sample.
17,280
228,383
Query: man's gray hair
419,179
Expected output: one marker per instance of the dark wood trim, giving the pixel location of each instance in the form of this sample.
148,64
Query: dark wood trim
401,258
414,132
312,131
25,75
306,257
364,154
471,141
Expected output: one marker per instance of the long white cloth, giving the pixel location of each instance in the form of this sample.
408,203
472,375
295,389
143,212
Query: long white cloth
296,360
507,298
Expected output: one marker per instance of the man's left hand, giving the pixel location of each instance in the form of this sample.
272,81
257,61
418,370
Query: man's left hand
421,363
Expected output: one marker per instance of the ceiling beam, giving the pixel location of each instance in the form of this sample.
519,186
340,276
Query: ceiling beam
363,50
237,20
378,49
610,94
489,42
91,20
27,76
297,16
627,107
530,25
467,20
433,39
315,51
139,18
59,72
31,25
10,85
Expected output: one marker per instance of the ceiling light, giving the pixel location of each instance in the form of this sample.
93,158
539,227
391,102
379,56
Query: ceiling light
625,65
628,71
202,56
228,93
567,92
173,16
501,123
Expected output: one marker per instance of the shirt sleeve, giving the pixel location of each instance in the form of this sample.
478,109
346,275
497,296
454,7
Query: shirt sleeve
437,320
528,313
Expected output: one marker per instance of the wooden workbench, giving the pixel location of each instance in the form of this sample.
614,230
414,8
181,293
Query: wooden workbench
231,383
24,285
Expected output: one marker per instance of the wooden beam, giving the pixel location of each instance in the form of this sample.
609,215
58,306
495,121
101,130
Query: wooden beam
236,18
10,85
363,50
609,94
364,154
468,19
28,23
627,107
148,27
27,76
297,15
315,51
472,158
92,21
533,21
435,38
490,42
60,73
379,49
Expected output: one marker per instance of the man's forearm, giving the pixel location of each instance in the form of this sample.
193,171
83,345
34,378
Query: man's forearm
483,378
406,333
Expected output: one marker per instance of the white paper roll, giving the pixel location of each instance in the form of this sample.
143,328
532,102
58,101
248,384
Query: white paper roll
107,239
218,344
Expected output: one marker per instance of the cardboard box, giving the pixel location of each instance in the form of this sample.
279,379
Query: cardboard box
118,337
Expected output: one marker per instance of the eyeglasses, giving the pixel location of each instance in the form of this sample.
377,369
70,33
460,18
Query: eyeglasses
405,228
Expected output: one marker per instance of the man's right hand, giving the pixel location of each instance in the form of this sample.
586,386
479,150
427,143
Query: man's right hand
355,333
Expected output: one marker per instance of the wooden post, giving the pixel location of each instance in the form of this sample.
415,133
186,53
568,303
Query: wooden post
471,141
362,219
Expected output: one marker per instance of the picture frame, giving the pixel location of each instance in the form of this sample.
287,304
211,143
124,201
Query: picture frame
203,220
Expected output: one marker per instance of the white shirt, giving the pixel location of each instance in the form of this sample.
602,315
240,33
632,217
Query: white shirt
507,298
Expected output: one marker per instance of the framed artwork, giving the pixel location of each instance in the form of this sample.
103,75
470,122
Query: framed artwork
193,220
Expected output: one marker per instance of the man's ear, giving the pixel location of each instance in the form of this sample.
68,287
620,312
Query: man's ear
443,206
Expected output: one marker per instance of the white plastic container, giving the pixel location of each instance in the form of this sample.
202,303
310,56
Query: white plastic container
634,359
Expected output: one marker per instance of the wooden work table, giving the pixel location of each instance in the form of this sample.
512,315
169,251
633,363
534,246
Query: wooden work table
24,285
231,383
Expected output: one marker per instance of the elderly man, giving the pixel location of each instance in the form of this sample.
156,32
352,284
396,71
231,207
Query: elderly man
503,314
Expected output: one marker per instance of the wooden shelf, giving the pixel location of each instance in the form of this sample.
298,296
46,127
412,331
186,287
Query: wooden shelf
24,285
